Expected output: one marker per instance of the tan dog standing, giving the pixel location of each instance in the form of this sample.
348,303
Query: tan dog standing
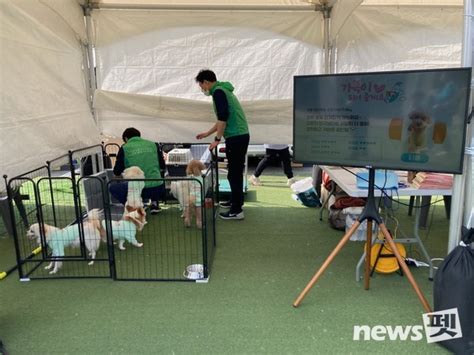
194,170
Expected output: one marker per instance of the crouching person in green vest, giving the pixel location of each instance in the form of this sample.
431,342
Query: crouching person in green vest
232,125
147,155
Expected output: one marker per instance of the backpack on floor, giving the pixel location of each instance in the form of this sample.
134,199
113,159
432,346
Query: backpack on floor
337,219
454,288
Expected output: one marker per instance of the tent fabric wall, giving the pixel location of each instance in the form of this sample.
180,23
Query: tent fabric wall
160,52
164,118
175,109
112,26
44,110
400,38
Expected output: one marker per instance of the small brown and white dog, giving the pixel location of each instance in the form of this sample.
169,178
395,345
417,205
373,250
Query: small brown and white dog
134,193
133,220
57,238
188,193
419,121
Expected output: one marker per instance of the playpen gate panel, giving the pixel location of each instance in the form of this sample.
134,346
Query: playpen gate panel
57,204
168,246
26,248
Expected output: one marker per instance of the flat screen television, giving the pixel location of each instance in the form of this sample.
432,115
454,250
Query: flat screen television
404,120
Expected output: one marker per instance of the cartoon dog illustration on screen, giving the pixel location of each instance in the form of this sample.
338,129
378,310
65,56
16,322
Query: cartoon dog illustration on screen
417,131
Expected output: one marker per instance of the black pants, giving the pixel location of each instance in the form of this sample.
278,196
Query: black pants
282,155
235,151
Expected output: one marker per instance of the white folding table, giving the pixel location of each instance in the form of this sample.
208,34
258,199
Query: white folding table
347,181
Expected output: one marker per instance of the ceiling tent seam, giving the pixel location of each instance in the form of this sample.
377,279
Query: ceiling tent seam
79,36
291,8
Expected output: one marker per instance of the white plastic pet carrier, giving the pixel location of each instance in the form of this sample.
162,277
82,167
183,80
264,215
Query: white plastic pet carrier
178,159
179,156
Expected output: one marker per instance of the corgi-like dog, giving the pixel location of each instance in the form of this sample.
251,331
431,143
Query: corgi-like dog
126,229
59,238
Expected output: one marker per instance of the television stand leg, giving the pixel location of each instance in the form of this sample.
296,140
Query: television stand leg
371,214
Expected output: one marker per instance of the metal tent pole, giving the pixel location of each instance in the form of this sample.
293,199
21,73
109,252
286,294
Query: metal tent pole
326,11
462,184
90,58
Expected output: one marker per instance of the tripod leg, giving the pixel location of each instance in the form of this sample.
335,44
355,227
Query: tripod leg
326,263
368,244
379,254
404,267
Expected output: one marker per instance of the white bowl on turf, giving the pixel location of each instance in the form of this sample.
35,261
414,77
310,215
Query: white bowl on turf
194,272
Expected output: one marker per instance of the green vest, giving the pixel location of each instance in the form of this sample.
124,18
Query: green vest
143,153
236,123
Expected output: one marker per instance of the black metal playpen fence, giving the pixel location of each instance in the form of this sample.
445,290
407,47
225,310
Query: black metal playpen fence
67,225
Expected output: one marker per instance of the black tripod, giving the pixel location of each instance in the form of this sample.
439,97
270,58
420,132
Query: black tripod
381,255
370,214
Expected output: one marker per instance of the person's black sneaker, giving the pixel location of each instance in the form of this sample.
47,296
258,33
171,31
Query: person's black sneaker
225,204
232,215
154,209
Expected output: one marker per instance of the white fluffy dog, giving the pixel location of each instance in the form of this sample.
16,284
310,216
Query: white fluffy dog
57,239
126,229
134,194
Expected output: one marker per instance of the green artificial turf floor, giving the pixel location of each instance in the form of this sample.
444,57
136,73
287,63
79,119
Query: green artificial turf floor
260,266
